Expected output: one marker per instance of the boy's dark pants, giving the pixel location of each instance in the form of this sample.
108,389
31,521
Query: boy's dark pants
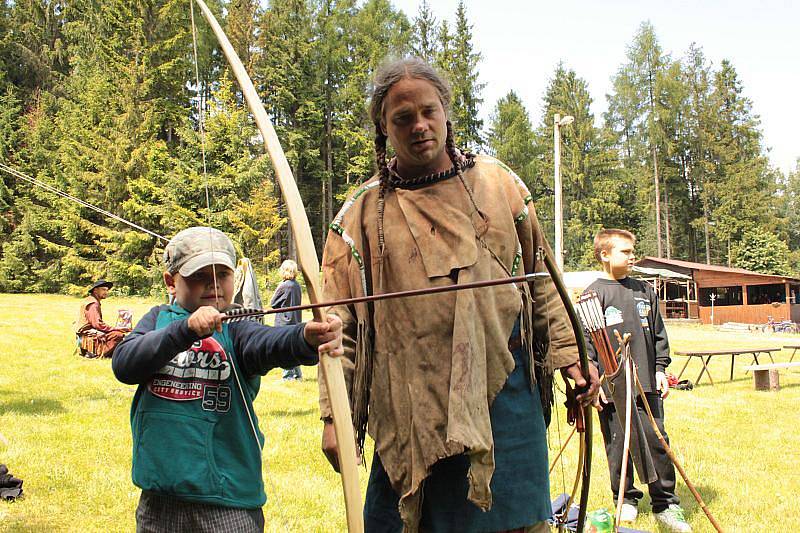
158,513
662,491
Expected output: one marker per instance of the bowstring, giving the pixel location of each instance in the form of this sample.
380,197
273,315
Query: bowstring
201,130
486,246
556,413
483,242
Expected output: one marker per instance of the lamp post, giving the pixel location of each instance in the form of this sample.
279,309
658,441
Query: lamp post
559,121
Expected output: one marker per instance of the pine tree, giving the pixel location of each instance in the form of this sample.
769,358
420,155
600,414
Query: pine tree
5,44
243,201
240,28
595,193
635,112
761,251
353,59
673,122
380,32
33,247
791,208
743,186
462,68
100,99
103,140
444,56
10,126
331,60
423,40
286,73
696,74
695,134
35,47
511,141
10,111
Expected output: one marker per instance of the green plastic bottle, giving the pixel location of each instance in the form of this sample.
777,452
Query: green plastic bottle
599,521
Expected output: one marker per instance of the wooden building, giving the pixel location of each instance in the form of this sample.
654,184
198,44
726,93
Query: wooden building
677,294
731,294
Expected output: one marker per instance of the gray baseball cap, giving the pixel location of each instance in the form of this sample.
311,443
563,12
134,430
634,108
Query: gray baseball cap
195,248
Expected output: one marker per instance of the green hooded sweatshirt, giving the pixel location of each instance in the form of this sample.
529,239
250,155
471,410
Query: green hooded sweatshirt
195,433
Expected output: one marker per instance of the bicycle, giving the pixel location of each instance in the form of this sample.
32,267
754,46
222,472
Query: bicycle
784,326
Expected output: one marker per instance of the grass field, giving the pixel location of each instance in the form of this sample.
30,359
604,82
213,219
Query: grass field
65,420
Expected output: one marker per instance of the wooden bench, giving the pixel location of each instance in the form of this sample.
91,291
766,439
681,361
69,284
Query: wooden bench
765,377
706,355
794,348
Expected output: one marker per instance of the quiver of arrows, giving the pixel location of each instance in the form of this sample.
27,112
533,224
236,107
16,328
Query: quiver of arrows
615,383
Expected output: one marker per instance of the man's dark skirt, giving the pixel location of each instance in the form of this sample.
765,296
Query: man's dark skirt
520,485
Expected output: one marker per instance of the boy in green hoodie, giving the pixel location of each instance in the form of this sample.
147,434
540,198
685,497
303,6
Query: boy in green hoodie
196,442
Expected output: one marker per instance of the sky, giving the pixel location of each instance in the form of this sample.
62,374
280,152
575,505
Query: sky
522,41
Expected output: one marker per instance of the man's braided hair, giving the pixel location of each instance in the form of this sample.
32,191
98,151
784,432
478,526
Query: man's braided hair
385,78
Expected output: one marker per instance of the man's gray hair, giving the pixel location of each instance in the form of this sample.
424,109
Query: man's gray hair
411,67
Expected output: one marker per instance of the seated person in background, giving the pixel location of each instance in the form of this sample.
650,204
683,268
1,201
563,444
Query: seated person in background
96,338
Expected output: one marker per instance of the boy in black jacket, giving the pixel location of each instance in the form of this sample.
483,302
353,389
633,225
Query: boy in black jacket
631,306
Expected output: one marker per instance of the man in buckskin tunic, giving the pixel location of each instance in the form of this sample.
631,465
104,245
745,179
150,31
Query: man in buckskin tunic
449,380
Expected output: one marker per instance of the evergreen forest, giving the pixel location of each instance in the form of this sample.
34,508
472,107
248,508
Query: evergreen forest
129,106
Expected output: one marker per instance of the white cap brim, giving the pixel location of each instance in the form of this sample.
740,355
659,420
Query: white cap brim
203,260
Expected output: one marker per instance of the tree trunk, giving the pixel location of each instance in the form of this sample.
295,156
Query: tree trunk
329,171
323,210
666,220
688,178
705,226
291,249
327,189
659,248
729,250
326,209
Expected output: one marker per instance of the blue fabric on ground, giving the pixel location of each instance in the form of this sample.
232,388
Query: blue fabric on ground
571,524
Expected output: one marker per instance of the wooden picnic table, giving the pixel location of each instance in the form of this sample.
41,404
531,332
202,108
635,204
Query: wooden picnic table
706,355
794,348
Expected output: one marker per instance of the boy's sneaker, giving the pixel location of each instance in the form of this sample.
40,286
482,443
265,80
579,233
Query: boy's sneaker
672,517
629,513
